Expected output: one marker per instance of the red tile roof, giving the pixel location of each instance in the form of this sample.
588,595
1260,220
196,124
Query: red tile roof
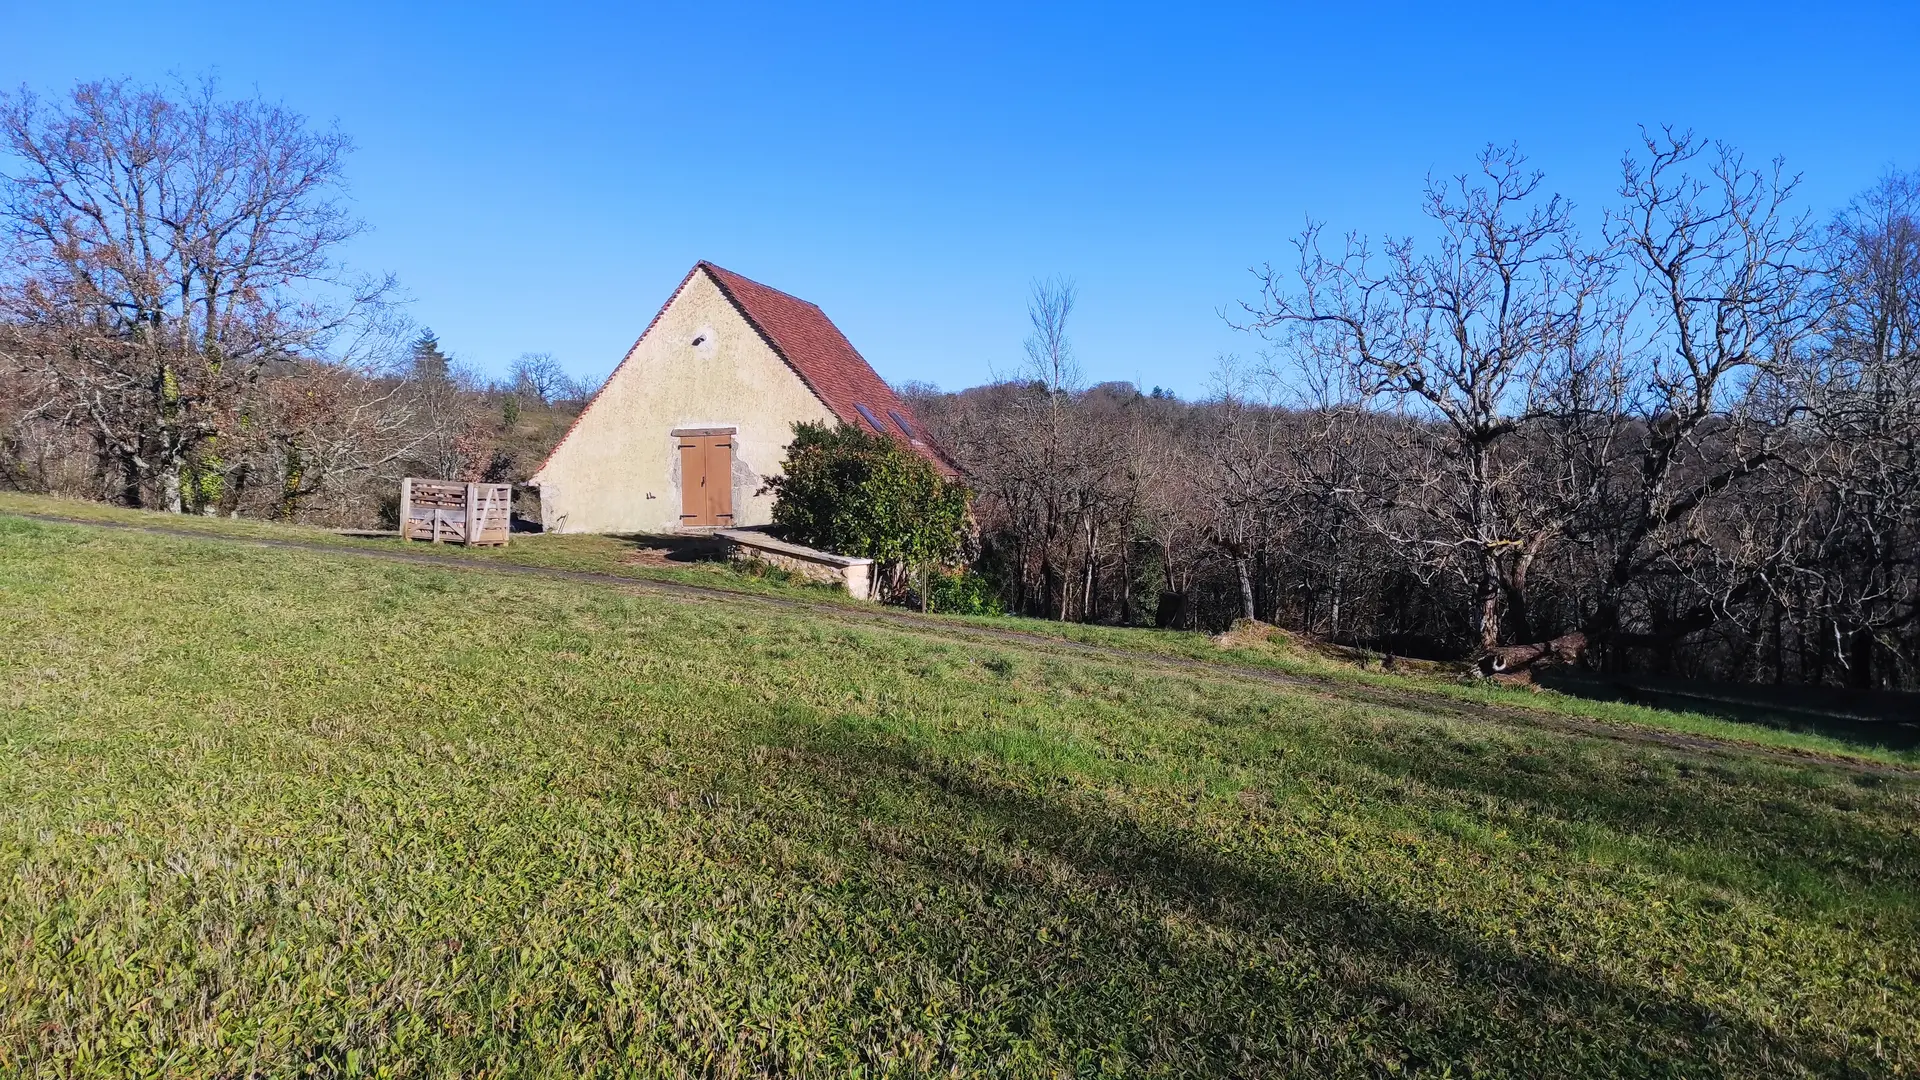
802,335
824,359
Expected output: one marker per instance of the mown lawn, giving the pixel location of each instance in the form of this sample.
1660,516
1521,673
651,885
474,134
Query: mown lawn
614,556
278,813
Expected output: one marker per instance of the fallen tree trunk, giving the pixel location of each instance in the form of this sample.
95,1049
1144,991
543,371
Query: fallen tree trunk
1565,649
1571,647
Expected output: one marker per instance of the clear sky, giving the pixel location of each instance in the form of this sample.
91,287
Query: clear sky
541,176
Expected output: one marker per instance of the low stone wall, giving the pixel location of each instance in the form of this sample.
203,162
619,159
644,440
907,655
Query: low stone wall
851,574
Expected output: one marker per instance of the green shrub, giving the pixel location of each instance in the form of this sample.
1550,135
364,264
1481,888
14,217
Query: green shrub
856,493
964,593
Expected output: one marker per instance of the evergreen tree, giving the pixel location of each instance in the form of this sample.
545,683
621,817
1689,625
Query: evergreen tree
429,362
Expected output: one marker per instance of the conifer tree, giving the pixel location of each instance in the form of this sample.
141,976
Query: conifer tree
429,362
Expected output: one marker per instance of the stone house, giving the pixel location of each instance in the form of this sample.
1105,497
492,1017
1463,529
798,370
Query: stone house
687,429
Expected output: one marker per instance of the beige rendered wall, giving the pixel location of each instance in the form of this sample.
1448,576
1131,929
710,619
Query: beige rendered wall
619,470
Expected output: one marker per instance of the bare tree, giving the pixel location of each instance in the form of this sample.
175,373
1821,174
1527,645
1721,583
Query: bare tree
1722,291
1460,342
1853,558
1050,358
169,244
1038,482
539,375
1240,483
1170,517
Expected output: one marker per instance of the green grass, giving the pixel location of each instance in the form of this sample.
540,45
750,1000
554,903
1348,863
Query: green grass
608,555
578,552
278,813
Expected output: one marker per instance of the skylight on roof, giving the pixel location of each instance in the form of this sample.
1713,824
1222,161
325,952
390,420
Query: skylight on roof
871,419
901,423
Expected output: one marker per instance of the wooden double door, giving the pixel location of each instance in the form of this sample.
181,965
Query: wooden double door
706,476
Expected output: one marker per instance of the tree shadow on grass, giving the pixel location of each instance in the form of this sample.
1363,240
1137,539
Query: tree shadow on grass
1887,719
674,547
1149,947
1713,810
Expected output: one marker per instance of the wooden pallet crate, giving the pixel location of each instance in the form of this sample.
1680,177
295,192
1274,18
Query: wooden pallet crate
448,512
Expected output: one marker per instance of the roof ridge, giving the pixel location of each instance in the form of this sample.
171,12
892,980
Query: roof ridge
823,376
717,268
766,335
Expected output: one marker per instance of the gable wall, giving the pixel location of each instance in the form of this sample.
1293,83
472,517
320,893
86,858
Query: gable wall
619,469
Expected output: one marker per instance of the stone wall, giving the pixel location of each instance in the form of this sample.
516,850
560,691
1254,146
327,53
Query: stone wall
851,574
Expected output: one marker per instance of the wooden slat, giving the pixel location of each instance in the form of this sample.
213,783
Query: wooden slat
492,515
693,500
720,479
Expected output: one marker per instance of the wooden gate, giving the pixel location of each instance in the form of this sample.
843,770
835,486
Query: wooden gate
446,512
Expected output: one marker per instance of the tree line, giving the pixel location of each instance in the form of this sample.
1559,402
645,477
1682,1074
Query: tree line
1688,444
178,331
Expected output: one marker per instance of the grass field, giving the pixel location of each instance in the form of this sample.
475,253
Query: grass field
614,556
266,812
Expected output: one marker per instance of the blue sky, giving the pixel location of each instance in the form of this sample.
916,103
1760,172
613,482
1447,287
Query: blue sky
541,178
